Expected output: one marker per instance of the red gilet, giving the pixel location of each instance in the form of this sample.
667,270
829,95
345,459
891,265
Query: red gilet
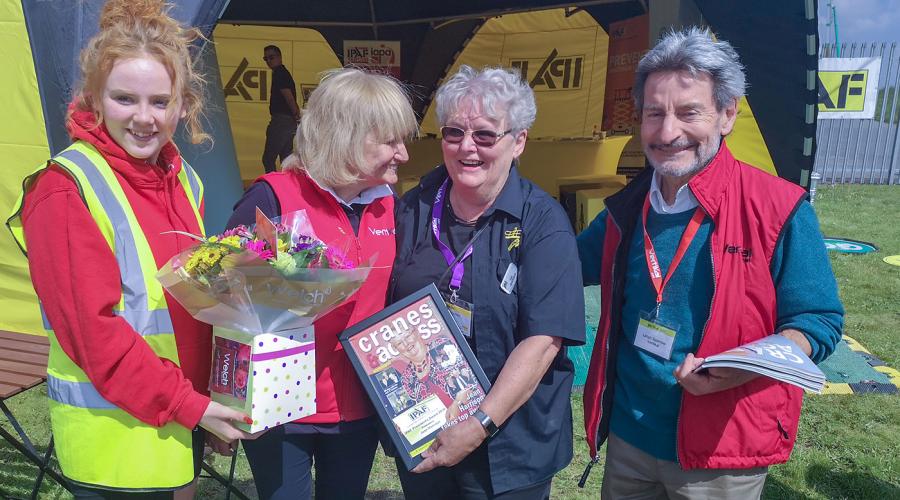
339,395
754,424
76,277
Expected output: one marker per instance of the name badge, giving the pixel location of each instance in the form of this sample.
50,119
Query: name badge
461,312
508,284
654,337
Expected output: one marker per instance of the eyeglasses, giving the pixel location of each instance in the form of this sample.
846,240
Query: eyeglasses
484,138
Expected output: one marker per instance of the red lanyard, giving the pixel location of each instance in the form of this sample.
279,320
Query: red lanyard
659,283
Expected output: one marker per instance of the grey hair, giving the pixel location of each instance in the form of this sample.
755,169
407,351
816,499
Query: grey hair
694,50
502,94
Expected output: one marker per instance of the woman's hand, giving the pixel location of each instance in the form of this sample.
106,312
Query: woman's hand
217,419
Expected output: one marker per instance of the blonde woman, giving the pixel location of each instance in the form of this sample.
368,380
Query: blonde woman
350,143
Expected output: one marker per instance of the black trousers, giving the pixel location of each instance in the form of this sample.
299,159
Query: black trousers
468,480
279,140
281,464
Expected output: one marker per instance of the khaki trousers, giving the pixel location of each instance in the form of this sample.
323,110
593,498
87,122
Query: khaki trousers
631,474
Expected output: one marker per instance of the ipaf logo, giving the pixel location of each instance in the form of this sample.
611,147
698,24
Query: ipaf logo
554,72
842,90
381,55
245,79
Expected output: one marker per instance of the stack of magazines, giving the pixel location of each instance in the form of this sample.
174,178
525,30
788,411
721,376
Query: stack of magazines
774,356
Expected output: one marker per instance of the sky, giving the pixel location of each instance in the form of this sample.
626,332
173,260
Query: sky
861,20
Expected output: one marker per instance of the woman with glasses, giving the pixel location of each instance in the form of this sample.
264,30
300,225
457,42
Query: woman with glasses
503,254
348,147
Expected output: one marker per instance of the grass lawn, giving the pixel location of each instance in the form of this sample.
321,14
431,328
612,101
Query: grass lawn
848,446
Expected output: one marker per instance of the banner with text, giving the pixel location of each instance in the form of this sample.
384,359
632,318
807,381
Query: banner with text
378,56
848,87
562,58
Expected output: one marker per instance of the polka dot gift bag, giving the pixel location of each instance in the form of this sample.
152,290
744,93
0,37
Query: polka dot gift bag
270,377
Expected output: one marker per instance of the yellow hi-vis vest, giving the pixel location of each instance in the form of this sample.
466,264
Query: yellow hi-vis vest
97,443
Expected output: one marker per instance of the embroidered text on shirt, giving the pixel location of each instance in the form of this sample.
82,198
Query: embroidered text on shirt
515,235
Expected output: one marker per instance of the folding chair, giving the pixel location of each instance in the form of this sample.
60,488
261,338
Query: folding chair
23,366
228,482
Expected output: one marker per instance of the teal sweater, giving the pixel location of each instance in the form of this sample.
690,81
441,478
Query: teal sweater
647,399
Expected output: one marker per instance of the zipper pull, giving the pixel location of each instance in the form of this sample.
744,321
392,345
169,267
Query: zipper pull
587,470
784,433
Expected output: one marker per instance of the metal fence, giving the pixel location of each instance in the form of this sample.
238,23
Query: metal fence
864,151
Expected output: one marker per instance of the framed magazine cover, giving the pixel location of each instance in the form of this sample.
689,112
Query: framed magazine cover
417,369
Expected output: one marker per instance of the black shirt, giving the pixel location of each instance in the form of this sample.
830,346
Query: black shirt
428,265
281,79
261,195
527,228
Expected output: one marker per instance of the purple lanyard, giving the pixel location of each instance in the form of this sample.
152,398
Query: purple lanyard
436,210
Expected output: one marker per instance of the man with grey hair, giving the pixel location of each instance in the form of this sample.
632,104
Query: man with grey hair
695,256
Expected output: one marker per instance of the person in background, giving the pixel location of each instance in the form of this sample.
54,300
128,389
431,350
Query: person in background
128,368
350,143
283,110
516,295
697,255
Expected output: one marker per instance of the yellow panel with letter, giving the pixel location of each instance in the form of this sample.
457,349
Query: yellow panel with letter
23,147
247,80
562,58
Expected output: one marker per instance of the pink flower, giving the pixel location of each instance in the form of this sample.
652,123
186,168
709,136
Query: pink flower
237,230
336,259
259,248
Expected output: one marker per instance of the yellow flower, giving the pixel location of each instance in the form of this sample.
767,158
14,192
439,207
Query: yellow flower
233,241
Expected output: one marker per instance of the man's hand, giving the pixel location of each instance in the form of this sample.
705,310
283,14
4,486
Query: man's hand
711,380
223,448
452,445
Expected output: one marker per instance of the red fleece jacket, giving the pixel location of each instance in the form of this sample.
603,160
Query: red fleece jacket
77,279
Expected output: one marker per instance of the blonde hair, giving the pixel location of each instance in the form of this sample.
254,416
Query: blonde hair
135,28
347,106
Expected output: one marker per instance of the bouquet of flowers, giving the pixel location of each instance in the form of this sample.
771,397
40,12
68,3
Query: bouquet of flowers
268,277
262,287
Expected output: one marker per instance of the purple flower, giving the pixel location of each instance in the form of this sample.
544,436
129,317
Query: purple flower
301,246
